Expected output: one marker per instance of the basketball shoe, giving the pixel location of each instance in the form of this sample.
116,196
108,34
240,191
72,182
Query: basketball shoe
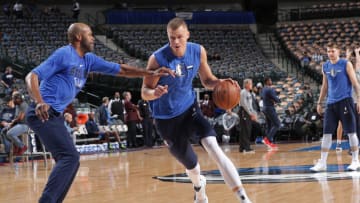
269,144
355,165
200,193
319,166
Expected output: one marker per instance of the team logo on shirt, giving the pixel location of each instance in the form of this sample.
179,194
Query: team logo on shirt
180,69
333,72
80,75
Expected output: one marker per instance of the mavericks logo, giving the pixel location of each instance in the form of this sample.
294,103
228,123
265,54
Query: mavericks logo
273,174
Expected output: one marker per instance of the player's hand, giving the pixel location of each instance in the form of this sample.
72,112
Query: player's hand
253,117
163,71
319,109
232,81
41,111
160,90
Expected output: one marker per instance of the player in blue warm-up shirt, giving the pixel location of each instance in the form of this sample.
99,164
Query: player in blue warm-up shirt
176,112
61,77
338,80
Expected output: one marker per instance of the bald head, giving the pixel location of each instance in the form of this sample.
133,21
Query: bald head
81,37
75,30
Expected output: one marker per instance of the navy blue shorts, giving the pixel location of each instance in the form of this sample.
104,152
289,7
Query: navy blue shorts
178,131
343,111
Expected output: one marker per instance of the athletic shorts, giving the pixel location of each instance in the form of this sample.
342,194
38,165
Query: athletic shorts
190,125
344,111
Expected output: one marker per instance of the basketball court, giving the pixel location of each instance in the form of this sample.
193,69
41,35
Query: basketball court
153,175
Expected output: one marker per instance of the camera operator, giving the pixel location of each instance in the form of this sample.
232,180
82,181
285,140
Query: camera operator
313,125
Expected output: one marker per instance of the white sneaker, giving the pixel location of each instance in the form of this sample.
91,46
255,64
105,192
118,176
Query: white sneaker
355,165
319,166
200,191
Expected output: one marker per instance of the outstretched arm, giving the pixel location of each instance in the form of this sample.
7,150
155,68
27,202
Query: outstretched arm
131,71
150,89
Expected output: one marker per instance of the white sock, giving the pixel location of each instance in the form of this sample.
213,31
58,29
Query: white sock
338,141
324,156
194,175
354,142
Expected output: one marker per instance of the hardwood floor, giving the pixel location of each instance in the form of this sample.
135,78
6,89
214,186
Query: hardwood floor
280,176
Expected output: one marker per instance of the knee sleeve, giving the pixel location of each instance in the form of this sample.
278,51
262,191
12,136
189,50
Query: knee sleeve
353,139
326,141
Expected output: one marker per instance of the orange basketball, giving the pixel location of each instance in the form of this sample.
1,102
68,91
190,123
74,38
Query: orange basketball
226,95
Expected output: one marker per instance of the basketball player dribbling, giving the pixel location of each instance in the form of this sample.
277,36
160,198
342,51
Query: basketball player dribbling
176,112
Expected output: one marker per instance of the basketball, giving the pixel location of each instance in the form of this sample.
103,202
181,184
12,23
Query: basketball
226,95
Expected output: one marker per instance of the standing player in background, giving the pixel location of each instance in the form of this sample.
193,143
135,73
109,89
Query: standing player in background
176,112
61,77
272,120
338,79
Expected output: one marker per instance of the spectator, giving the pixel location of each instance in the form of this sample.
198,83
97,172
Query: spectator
147,122
207,106
7,80
17,126
116,108
68,120
6,9
7,114
76,9
93,130
106,120
312,125
18,8
104,115
229,121
305,61
132,117
71,110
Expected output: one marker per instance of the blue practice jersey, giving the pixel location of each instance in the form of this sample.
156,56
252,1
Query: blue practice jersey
339,84
64,73
180,94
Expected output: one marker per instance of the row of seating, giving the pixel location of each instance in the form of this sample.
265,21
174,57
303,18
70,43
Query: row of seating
309,38
232,51
326,10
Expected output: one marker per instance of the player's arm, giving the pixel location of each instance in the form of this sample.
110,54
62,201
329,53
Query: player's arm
323,92
150,89
131,71
208,79
351,73
357,58
32,84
